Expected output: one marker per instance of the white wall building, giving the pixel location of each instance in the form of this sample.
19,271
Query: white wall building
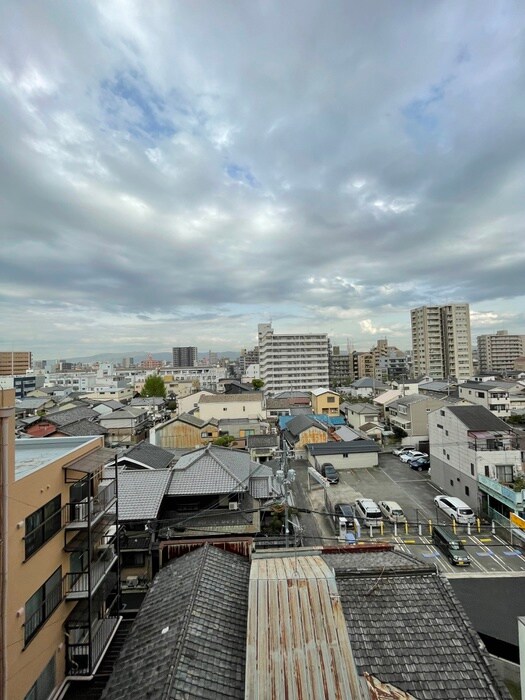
492,395
292,361
497,352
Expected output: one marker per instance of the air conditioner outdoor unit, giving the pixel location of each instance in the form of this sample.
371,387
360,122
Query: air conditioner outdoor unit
132,581
233,505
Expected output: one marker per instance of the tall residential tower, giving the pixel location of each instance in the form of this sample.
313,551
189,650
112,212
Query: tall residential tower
441,342
292,361
497,353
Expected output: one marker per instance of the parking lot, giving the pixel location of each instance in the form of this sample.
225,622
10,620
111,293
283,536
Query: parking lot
414,492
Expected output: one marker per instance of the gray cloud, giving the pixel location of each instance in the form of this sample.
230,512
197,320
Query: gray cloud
185,171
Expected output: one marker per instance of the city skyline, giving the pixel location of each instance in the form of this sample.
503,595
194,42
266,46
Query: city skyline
178,175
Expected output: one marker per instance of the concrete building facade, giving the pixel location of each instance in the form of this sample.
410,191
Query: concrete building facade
292,361
441,342
498,352
15,362
184,356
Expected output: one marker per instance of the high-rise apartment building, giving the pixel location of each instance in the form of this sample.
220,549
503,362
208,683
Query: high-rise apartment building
441,342
292,361
184,356
498,352
15,362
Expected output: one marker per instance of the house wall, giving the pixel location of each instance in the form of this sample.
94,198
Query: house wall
240,408
327,403
454,465
356,420
179,434
341,462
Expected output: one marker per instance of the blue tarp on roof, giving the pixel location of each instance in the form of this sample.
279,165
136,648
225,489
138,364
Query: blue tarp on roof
328,420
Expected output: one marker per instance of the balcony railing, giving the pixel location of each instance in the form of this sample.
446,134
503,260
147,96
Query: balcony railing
514,499
80,661
78,585
89,510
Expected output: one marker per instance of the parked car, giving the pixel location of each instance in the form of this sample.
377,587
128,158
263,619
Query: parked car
422,464
451,545
392,511
330,473
414,454
455,508
368,511
401,450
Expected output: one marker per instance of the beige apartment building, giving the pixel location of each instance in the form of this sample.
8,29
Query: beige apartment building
441,342
292,361
14,362
498,353
59,559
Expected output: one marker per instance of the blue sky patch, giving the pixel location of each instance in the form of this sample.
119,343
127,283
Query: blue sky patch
240,174
132,105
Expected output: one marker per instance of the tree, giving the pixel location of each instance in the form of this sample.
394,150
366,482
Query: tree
154,386
224,440
257,384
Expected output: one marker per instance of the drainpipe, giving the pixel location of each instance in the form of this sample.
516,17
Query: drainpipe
5,414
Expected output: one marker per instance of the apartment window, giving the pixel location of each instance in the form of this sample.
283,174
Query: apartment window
442,413
446,432
487,470
452,482
41,604
467,491
440,426
472,469
43,687
42,525
330,399
504,473
448,457
444,452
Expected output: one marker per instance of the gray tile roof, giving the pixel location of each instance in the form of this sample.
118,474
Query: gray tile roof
339,448
29,404
299,424
368,383
140,493
83,427
409,630
478,418
71,415
189,638
253,441
196,422
148,455
227,398
361,408
211,470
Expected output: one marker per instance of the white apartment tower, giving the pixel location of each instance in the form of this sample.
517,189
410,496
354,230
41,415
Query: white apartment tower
498,352
441,343
292,361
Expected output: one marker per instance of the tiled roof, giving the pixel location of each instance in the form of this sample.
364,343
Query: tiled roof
361,408
83,427
71,415
210,470
339,448
148,455
253,441
299,424
368,383
409,630
189,637
196,422
478,418
228,398
140,493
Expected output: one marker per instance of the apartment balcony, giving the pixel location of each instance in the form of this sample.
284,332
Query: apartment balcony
501,492
89,511
81,585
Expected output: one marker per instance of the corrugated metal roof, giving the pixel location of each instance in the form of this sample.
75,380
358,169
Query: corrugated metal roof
297,641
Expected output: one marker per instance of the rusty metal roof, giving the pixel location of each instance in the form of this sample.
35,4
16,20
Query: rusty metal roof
297,640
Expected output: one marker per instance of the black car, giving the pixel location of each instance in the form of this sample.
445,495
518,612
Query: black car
330,473
420,465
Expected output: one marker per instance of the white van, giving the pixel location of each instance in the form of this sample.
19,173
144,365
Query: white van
368,511
456,508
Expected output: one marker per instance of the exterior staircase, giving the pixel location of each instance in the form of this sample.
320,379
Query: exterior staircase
93,689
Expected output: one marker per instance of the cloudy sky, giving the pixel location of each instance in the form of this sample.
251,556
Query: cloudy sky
175,173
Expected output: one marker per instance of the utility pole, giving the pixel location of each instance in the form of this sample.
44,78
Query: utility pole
285,477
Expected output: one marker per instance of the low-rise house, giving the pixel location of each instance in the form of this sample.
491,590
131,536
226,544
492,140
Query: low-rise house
262,448
288,405
145,456
344,455
474,455
34,406
366,388
126,426
492,395
248,405
186,430
302,431
241,428
357,414
410,413
189,403
325,401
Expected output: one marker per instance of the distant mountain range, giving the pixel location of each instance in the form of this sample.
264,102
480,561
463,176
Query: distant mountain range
139,356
